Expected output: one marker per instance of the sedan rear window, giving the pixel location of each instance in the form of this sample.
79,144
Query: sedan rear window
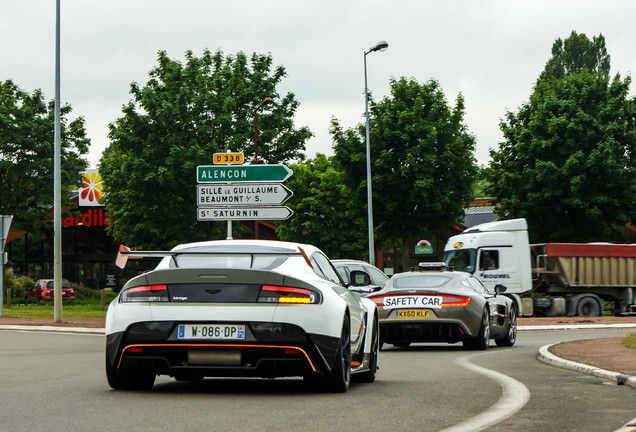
65,284
420,281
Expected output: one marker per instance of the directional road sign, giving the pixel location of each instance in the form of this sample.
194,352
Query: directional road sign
242,173
5,224
244,213
242,194
228,158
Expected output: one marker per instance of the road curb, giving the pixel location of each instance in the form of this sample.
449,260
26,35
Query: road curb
576,327
81,330
546,356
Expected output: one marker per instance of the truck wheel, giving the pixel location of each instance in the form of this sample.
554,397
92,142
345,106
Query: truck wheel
588,306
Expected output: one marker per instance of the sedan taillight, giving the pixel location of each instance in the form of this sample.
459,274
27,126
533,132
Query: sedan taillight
146,293
289,295
450,300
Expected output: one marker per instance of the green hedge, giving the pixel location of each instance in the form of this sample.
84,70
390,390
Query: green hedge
19,284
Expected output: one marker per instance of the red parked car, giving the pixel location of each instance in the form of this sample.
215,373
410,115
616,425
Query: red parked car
43,290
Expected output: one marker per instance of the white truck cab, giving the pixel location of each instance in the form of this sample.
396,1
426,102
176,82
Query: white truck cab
495,253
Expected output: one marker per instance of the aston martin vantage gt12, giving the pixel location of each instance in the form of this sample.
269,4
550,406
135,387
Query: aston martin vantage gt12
240,308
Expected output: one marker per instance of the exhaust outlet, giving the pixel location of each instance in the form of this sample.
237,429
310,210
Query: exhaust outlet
213,357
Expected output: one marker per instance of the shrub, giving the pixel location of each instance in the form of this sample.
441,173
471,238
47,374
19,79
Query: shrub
17,284
82,292
86,296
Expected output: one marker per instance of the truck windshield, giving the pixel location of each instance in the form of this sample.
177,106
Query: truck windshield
461,259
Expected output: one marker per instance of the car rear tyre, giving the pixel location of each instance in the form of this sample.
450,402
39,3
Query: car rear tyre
129,379
402,344
482,340
369,376
338,379
511,334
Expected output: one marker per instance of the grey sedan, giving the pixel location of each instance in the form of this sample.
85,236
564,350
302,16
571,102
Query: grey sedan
433,304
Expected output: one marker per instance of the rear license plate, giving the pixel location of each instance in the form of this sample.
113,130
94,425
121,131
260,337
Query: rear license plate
412,313
211,331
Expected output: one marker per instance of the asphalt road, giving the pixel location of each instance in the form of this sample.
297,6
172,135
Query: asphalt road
56,382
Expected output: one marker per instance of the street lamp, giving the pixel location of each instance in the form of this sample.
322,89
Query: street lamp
380,46
265,101
57,182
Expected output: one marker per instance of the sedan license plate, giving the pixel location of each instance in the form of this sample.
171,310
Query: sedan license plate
412,313
211,331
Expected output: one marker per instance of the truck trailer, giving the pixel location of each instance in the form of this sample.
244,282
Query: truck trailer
550,279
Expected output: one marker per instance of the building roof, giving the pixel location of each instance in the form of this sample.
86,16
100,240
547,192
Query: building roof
479,214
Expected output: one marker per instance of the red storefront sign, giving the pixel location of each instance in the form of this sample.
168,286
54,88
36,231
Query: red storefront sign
92,217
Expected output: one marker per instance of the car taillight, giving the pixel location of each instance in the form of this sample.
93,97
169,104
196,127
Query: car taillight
379,300
289,295
455,301
146,293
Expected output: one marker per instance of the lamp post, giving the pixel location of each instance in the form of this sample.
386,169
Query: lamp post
57,188
265,101
380,46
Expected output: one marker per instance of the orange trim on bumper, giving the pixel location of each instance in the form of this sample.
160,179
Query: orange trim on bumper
218,346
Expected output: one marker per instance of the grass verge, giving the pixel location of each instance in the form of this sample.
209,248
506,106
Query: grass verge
46,311
630,341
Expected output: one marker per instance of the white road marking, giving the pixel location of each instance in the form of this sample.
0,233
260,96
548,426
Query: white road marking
514,397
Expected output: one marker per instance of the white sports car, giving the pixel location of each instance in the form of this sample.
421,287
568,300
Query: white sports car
240,308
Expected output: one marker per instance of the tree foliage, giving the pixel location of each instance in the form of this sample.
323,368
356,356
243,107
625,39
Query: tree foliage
323,212
568,160
422,161
184,114
27,126
576,54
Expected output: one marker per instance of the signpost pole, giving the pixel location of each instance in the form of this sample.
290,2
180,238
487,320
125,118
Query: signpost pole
229,230
5,224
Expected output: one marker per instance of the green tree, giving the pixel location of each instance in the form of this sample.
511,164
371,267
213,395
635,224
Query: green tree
184,114
575,54
323,215
26,155
422,162
568,160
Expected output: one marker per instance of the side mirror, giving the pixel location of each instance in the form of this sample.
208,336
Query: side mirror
359,278
500,288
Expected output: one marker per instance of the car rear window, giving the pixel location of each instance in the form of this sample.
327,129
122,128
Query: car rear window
244,261
65,284
420,281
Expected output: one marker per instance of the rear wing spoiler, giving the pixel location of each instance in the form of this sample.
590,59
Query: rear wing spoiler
125,253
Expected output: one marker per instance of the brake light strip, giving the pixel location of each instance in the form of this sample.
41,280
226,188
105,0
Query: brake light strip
129,347
461,301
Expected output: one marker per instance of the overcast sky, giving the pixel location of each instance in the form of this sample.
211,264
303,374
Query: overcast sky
490,51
